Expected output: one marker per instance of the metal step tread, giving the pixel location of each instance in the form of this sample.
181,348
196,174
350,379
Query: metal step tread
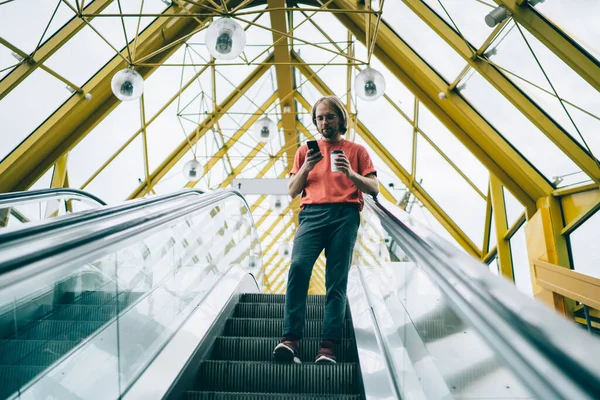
265,327
267,377
12,377
266,310
261,349
277,298
33,352
58,330
195,395
81,312
99,298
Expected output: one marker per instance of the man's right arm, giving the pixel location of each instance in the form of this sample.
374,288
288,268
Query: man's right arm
297,181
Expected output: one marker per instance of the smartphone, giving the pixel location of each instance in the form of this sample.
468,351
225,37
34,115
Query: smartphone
314,146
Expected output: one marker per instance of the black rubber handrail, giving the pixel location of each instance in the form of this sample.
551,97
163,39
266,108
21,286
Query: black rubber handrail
14,197
83,240
533,345
71,220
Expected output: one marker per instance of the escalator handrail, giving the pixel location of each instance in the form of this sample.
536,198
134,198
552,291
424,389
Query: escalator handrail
531,340
6,199
71,220
81,241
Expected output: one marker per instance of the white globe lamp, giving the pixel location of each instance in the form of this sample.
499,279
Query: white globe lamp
265,129
127,84
225,39
191,170
369,84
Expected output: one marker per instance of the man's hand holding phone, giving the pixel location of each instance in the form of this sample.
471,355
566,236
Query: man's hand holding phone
313,156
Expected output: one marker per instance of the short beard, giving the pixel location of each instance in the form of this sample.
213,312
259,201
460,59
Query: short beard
329,135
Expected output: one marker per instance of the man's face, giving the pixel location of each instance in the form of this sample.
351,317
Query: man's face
328,122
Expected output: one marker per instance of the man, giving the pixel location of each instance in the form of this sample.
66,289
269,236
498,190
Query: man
329,219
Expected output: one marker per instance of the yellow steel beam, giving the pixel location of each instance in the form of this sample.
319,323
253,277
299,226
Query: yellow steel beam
285,78
59,175
267,281
247,160
546,243
556,40
51,46
487,225
233,140
493,151
578,207
274,224
204,127
77,117
403,175
530,109
503,245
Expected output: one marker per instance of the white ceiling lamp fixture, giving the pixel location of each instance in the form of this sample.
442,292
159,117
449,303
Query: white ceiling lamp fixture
191,170
497,16
225,39
127,84
278,202
369,84
285,250
265,129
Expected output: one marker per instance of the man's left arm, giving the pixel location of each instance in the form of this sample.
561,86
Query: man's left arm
367,184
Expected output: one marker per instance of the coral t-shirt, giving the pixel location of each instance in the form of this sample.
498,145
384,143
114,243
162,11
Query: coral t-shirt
324,186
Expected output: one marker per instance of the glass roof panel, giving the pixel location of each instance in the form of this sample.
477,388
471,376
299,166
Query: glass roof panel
44,181
75,62
389,127
424,40
453,148
584,244
520,260
102,142
7,61
450,191
422,214
578,18
512,53
122,176
466,17
516,128
38,14
514,208
27,106
394,89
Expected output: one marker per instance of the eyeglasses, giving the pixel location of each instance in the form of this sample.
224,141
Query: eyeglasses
328,117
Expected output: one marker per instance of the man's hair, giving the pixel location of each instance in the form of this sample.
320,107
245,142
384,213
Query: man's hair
339,109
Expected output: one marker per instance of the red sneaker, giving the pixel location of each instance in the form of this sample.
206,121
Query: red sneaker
326,353
287,351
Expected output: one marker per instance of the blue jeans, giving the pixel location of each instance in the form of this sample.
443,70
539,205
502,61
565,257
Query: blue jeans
332,227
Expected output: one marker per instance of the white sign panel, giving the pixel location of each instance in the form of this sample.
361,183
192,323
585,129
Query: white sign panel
261,186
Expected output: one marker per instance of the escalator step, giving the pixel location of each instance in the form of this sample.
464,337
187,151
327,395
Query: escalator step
277,298
59,330
99,298
76,312
13,377
244,376
261,349
191,395
256,327
263,310
33,352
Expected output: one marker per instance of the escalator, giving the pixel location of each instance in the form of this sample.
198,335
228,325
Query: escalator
240,366
161,298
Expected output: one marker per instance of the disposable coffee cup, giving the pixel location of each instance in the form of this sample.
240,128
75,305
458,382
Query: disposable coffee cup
334,155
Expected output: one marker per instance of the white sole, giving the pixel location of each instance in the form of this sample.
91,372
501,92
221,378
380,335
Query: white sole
284,354
325,360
